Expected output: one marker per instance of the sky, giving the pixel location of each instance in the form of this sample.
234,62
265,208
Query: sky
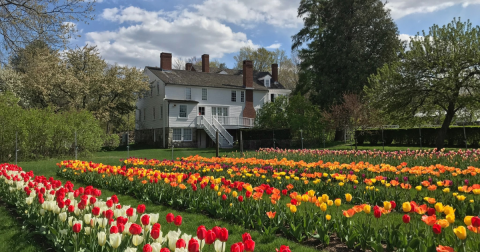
134,33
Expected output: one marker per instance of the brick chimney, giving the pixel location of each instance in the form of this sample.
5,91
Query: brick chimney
166,61
274,73
248,111
188,66
205,63
247,74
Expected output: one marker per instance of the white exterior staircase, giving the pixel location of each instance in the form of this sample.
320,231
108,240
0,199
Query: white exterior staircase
225,139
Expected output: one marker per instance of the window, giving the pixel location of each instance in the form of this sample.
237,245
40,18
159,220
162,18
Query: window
204,94
220,111
187,134
188,93
144,114
201,110
242,96
234,96
158,89
151,91
139,115
267,82
272,97
183,111
177,134
161,112
153,113
182,134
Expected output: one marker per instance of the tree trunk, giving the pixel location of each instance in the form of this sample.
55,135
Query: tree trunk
442,132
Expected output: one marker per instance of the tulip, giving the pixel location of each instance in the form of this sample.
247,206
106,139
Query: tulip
137,240
468,220
173,237
62,216
178,220
170,218
338,202
450,218
437,229
155,233
476,221
367,209
180,243
293,208
96,211
201,232
193,245
141,208
246,236
439,207
77,227
129,249
115,240
235,248
460,232
145,219
249,245
164,250
407,207
328,217
377,213
210,237
102,238
156,246
348,197
443,223
406,219
387,205
223,235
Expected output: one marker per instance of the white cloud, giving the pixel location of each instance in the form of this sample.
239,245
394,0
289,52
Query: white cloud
401,8
274,46
184,34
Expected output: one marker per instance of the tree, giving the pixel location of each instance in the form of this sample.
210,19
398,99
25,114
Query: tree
52,21
179,63
341,44
80,79
352,114
439,73
261,57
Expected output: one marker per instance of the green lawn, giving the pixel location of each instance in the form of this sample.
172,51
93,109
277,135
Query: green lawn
13,238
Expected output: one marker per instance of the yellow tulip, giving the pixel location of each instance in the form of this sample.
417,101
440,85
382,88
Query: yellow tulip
406,207
418,188
328,217
446,190
234,194
311,193
387,205
460,232
451,218
330,202
348,197
305,198
439,207
325,198
468,220
323,207
338,202
367,209
448,210
293,208
443,223
461,197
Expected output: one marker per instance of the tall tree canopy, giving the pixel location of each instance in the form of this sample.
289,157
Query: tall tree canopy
341,44
439,73
24,21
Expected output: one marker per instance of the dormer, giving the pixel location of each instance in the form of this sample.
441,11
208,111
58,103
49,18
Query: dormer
267,79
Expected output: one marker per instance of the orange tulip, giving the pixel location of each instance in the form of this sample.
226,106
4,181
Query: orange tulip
349,213
441,248
429,220
271,215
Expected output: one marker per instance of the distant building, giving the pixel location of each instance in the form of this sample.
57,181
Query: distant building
186,107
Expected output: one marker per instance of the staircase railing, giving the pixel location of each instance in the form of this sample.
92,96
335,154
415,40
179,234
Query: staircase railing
222,131
211,131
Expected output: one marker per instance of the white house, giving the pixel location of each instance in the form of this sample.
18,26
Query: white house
186,107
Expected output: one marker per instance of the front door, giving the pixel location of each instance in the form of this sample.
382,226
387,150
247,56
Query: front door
221,113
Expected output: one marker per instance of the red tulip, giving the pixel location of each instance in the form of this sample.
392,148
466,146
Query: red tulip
114,198
71,208
141,209
120,227
216,230
248,194
406,218
135,229
92,200
180,243
437,229
476,221
96,211
129,212
236,247
178,220
249,245
201,232
431,211
164,250
223,235
147,248
155,233
77,227
157,225
224,197
377,213
240,198
210,237
113,230
145,219
109,214
61,204
246,237
109,203
193,246
394,205
170,218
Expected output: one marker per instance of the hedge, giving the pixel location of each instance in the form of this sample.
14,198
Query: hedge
264,134
411,136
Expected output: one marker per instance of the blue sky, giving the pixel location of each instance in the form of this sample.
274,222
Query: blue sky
135,32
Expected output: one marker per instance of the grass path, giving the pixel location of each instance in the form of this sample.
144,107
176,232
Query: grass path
13,238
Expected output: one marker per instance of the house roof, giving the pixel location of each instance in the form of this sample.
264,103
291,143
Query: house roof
233,78
192,78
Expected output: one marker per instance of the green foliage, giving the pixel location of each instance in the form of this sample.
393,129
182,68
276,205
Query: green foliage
43,133
411,136
295,113
346,41
439,74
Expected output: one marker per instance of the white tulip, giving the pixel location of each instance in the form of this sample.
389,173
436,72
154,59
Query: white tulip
42,212
154,218
70,221
186,237
172,239
77,211
78,222
156,247
131,250
127,227
219,246
133,218
87,230
87,218
102,238
115,240
102,222
118,212
63,217
63,232
181,250
137,240
29,201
